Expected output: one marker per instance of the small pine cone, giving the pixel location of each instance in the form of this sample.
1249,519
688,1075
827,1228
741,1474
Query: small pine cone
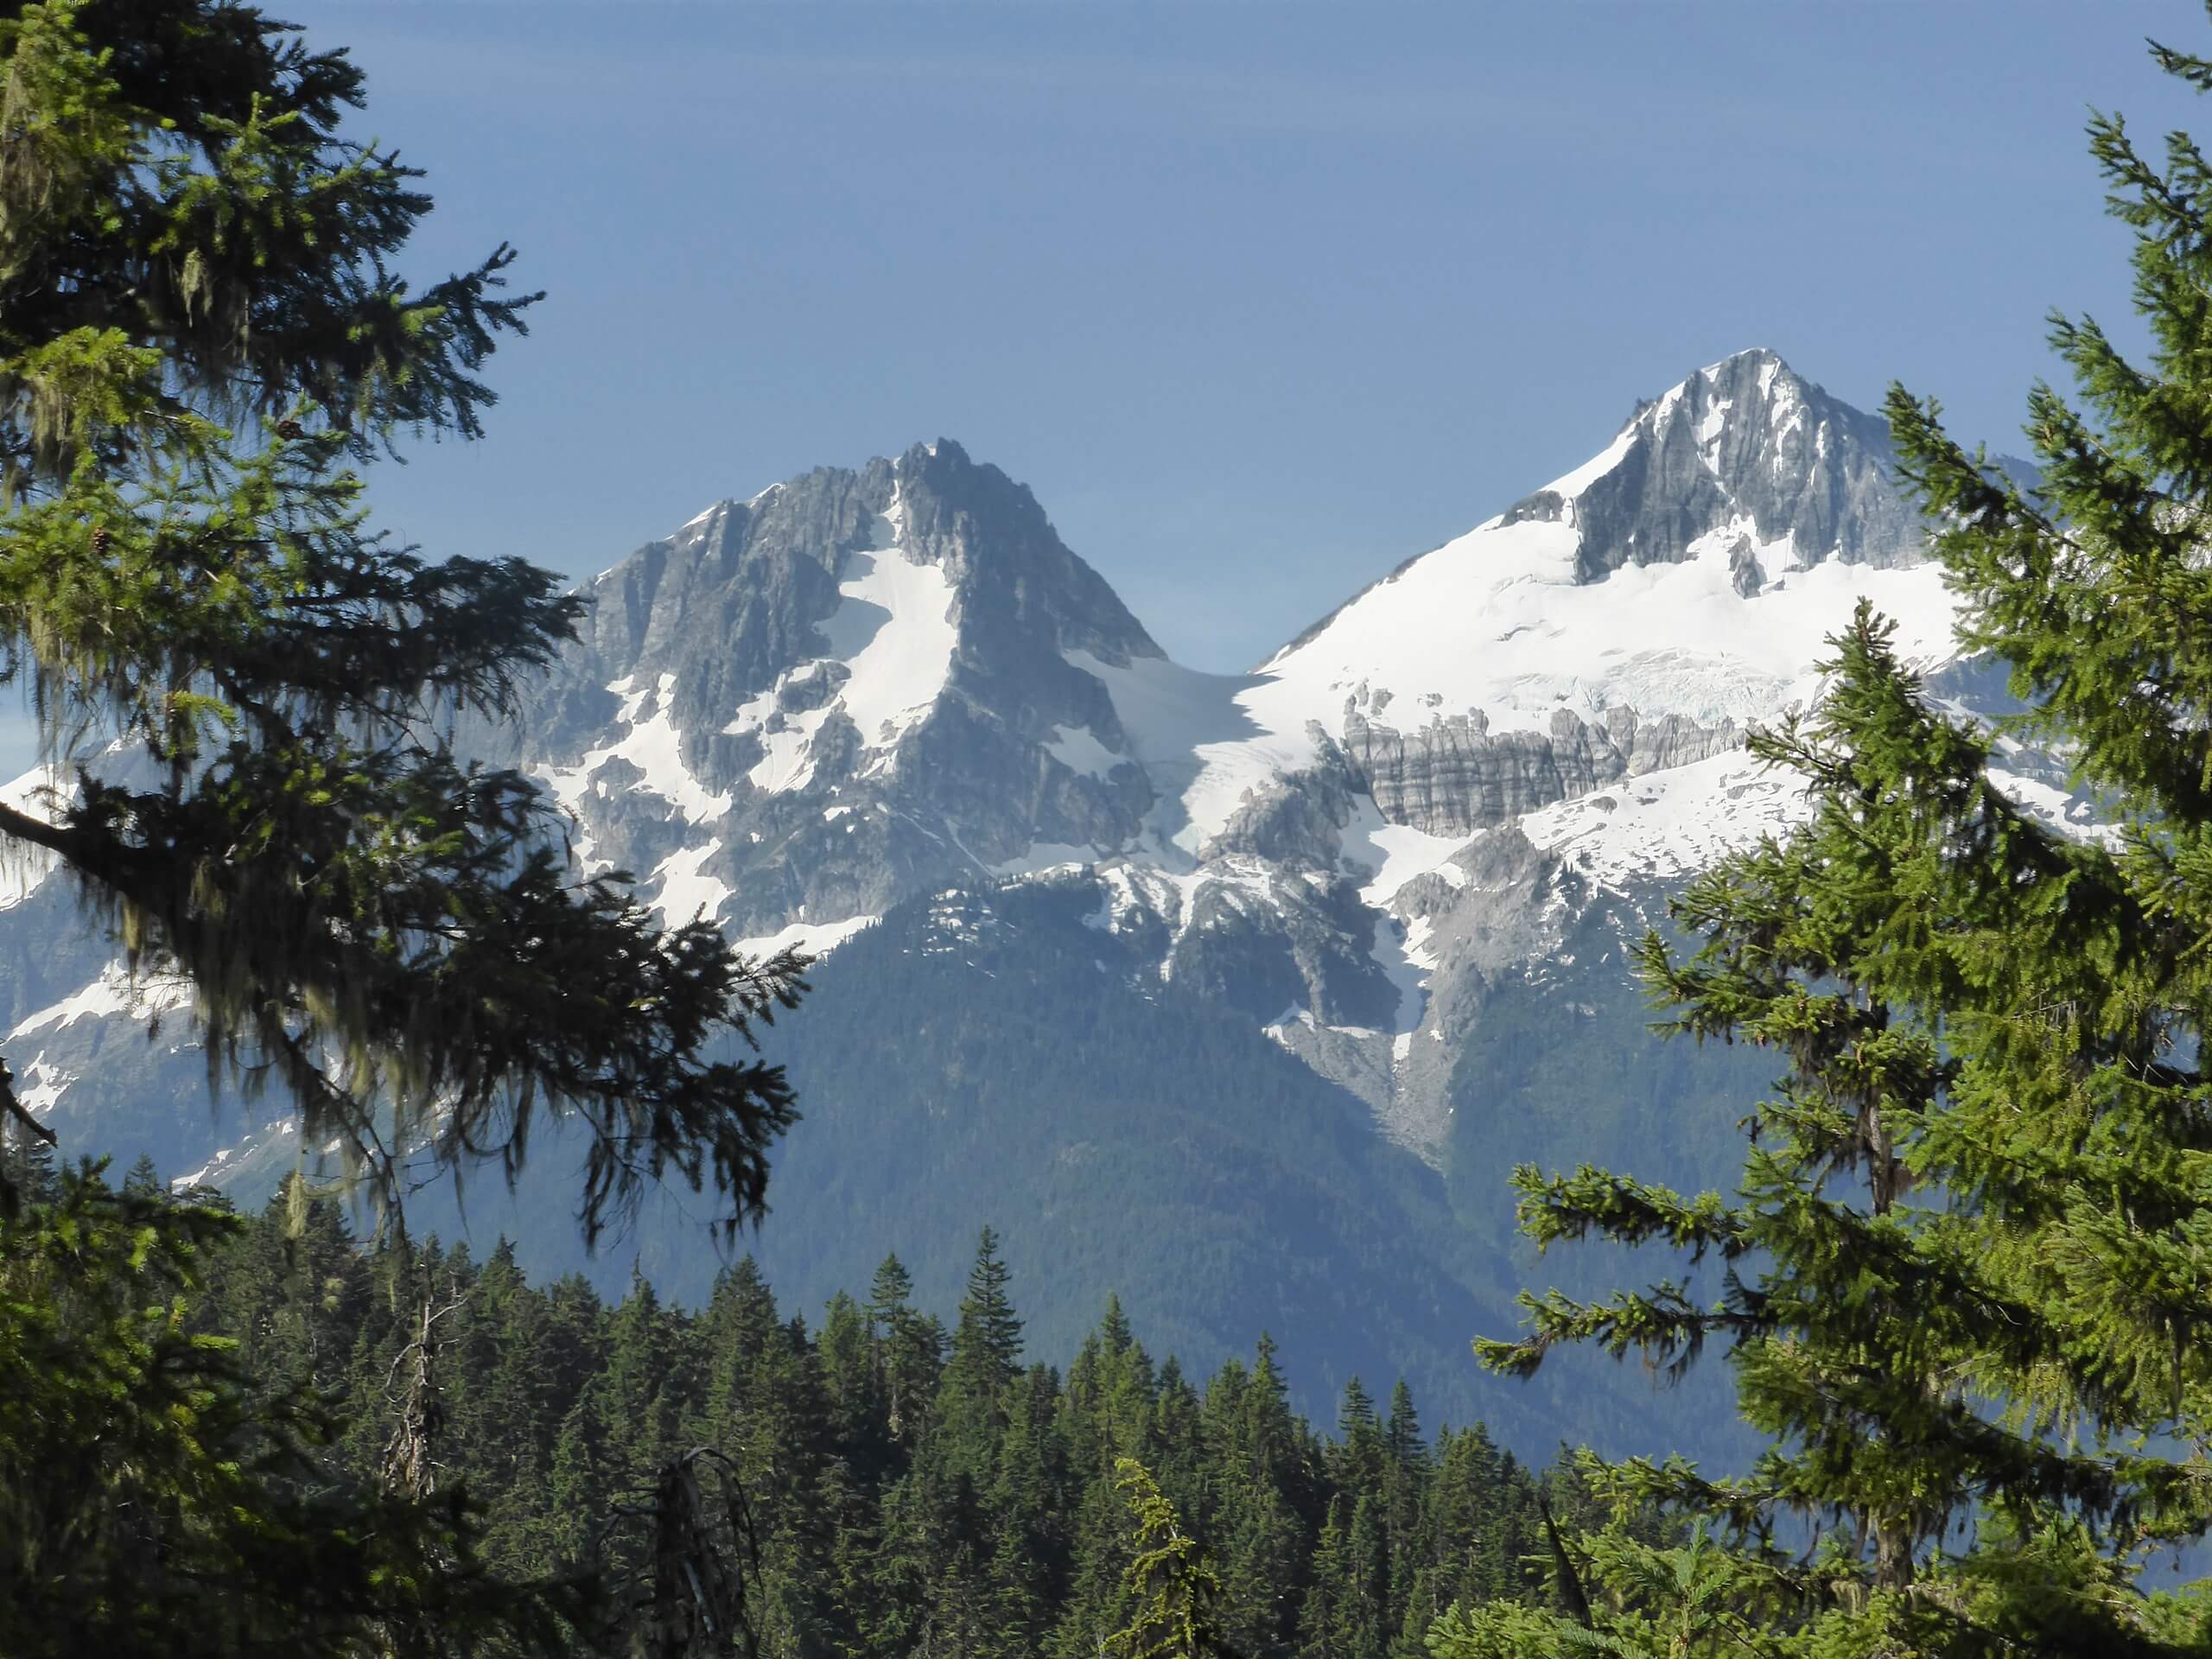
103,539
289,430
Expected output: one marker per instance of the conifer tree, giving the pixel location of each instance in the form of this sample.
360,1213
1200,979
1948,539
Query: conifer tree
637,1396
1964,1286
1321,1612
203,335
742,1330
1366,1605
1362,1456
987,1340
1260,1522
507,1356
909,1349
1405,1488
1170,1577
1115,1336
850,1374
299,1281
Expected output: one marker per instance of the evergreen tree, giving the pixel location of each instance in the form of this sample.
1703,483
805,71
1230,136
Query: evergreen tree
1406,1489
641,1391
1178,1436
1362,1459
768,1411
1367,1624
1470,1542
202,334
849,1373
1260,1518
1963,1285
295,1287
1321,1619
1681,1603
581,1485
1115,1336
549,1352
987,1341
1408,1453
909,1349
509,1367
743,1334
1171,1579
203,337
1098,1600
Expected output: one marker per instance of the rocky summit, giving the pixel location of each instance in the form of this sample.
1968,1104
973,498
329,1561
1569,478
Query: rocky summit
799,709
1404,853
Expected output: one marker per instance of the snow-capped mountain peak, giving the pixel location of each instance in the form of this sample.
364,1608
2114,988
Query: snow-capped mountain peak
860,686
1635,615
863,686
798,708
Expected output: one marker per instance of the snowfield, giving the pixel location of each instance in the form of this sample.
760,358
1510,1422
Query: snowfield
1496,624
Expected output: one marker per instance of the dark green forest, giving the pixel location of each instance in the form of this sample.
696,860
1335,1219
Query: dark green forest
901,1484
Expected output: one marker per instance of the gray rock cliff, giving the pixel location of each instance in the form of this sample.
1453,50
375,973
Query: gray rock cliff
1747,439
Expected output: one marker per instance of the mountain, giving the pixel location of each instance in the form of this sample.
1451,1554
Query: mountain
1238,994
800,710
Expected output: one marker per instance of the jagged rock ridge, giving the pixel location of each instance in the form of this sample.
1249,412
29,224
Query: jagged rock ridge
799,708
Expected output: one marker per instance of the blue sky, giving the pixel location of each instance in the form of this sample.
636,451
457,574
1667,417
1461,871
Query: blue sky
1258,298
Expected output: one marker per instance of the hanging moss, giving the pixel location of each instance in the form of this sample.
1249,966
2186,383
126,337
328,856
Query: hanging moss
203,332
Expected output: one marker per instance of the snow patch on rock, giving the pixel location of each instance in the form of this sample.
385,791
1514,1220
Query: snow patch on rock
42,1085
114,992
894,634
817,939
1671,823
894,630
649,742
686,891
1396,853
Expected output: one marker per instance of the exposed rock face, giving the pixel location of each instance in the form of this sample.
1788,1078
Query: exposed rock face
1747,438
1454,777
801,708
1297,820
1745,574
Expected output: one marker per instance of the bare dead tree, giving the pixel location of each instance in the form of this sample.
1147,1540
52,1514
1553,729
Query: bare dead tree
703,1553
410,1463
